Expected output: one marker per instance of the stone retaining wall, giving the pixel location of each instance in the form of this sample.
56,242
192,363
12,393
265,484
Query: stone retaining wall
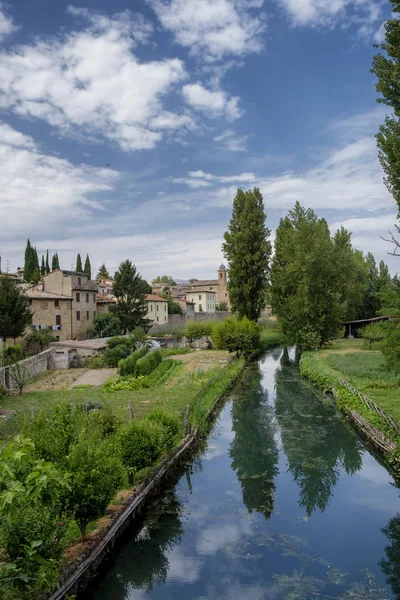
32,367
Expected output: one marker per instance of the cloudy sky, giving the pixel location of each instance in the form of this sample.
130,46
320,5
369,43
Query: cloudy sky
127,126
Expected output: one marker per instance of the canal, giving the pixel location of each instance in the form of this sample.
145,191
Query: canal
285,503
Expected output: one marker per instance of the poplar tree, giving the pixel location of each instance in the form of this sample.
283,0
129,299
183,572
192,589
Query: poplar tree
79,268
247,250
88,267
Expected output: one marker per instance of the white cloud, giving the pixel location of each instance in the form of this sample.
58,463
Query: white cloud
214,103
90,81
199,179
7,25
374,224
329,13
41,193
228,140
213,29
379,35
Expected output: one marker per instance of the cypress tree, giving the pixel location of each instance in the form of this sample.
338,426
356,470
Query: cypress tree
55,262
43,267
47,263
88,267
79,268
247,250
103,273
28,264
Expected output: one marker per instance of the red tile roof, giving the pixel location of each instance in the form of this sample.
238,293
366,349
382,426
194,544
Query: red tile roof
155,298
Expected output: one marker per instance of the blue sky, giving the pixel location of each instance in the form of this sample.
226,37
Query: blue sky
127,126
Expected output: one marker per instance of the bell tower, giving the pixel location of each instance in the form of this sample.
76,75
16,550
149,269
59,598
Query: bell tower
222,295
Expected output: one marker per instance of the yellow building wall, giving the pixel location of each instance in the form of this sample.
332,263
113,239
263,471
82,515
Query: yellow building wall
157,311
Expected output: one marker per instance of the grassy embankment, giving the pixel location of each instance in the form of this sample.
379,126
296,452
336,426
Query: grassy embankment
362,368
271,334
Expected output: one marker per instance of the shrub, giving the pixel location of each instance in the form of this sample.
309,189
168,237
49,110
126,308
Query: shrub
165,352
105,421
198,329
372,334
148,363
240,336
112,356
171,425
390,346
119,340
37,341
96,362
130,382
13,354
127,365
167,329
140,445
105,325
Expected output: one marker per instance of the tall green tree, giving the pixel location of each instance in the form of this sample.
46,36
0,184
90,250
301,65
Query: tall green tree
79,268
386,66
371,303
103,273
88,267
130,292
29,263
248,250
15,313
43,267
305,291
55,263
47,262
36,271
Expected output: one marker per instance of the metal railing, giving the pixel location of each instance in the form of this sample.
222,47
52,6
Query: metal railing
386,417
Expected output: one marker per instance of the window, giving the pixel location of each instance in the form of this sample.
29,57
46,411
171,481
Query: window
78,315
220,275
165,318
158,308
199,297
210,288
57,338
58,319
78,297
87,297
87,315
157,319
200,308
165,307
94,298
79,281
56,303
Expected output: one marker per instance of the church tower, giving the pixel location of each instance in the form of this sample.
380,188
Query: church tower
222,295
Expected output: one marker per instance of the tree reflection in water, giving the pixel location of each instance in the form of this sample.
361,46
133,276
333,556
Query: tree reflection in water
391,564
253,451
315,442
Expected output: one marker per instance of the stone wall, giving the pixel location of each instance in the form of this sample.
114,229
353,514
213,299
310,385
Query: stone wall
33,367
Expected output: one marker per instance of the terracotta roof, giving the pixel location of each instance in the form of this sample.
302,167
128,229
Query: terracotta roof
42,295
101,299
155,298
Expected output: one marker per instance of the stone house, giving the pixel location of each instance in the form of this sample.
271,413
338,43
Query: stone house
205,300
103,303
65,302
187,307
157,309
105,287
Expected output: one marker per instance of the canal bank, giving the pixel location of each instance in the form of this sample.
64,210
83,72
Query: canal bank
284,502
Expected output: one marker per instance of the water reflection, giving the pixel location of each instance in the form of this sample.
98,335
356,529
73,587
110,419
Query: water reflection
316,443
253,450
391,564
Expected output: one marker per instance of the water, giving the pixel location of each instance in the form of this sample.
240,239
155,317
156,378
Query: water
285,503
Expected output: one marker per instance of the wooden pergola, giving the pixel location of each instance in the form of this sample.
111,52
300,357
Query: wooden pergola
353,326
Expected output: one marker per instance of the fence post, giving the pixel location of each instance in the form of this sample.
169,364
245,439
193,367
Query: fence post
130,408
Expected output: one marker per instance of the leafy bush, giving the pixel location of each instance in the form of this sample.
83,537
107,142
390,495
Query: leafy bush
197,329
96,362
37,341
119,340
12,354
167,329
390,346
130,382
105,421
148,363
240,336
171,425
105,325
372,334
140,445
165,352
112,356
127,365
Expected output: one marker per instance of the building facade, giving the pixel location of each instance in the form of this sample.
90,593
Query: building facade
204,300
65,302
157,309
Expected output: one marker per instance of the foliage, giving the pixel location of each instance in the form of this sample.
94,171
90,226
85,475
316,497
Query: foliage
112,356
170,423
146,364
247,250
88,267
43,267
198,329
237,335
96,474
55,263
105,325
12,354
103,273
305,289
222,306
168,329
141,445
79,267
165,352
127,366
20,375
47,262
372,334
96,362
31,264
119,340
15,314
390,346
164,279
271,337
130,292
105,421
131,382
37,341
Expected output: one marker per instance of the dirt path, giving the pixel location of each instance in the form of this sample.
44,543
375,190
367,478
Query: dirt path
94,377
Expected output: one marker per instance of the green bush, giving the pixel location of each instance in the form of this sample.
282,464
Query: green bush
112,356
119,340
238,335
148,363
372,334
130,382
198,329
168,329
165,352
13,354
171,425
96,362
140,444
127,365
105,421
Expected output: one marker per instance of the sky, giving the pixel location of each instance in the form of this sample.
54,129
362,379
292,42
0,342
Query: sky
126,127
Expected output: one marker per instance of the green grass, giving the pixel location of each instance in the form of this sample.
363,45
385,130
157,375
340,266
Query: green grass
364,369
173,394
271,334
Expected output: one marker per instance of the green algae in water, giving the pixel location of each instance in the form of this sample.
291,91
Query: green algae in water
298,586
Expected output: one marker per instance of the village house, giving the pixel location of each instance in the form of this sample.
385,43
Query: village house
103,303
157,309
105,287
204,300
64,302
187,307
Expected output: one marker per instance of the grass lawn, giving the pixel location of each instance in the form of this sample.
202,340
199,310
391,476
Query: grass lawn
365,369
176,393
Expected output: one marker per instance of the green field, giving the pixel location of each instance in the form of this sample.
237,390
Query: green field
364,369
